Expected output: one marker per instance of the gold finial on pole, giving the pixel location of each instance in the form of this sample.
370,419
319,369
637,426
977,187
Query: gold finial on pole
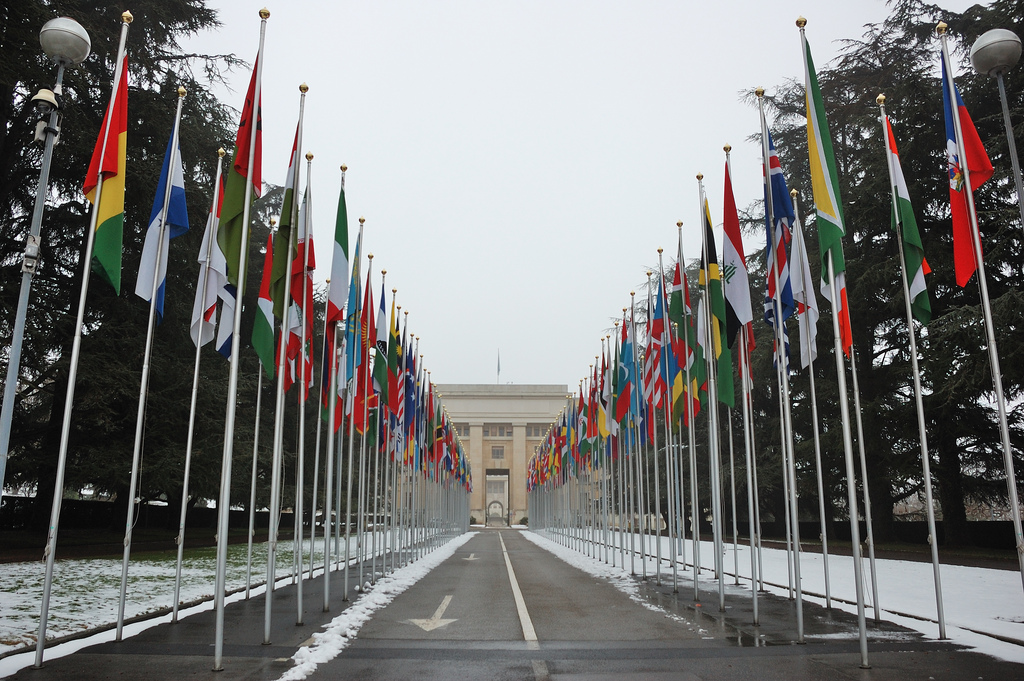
700,176
344,167
793,193
309,155
127,17
362,220
370,256
221,153
759,92
880,100
181,91
394,291
264,13
941,27
679,224
303,88
383,272
727,148
660,251
801,22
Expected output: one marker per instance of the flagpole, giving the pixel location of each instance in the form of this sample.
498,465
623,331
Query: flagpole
180,539
663,369
809,354
224,499
986,307
714,446
688,396
844,409
144,384
316,466
278,453
252,482
300,475
918,400
657,476
782,364
62,455
332,402
748,452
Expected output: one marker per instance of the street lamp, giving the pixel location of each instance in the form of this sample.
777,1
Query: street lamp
67,43
994,53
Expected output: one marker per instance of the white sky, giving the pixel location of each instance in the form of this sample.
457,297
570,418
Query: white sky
519,164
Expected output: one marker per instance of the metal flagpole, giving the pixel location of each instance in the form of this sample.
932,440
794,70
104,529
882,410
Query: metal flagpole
332,402
224,499
316,477
732,489
748,451
714,446
666,347
918,401
807,352
140,419
49,552
864,483
844,409
252,482
180,539
654,457
275,483
300,467
782,364
691,436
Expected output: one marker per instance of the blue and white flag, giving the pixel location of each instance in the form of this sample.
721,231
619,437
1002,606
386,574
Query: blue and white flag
212,278
227,295
176,224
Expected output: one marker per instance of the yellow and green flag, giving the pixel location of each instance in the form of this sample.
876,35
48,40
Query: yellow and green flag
106,178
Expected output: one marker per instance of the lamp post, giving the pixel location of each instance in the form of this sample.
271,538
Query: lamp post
994,53
67,43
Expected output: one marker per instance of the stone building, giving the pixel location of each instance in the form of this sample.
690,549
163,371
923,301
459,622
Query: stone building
501,427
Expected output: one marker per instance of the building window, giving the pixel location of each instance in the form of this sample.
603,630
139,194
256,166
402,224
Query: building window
534,431
463,431
497,452
495,486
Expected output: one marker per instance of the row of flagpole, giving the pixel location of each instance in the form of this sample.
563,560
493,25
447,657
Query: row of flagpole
415,479
582,456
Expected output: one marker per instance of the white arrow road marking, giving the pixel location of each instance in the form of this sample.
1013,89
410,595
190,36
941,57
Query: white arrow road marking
472,556
435,622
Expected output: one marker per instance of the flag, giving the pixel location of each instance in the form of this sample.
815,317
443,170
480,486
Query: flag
110,151
227,295
353,358
380,361
710,278
285,239
777,231
303,265
979,170
337,289
827,202
263,323
175,224
913,248
738,312
806,302
688,356
250,133
654,378
212,277
624,400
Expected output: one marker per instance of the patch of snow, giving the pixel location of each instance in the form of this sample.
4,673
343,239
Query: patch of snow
340,631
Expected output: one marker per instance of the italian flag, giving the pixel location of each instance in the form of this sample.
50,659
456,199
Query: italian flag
106,177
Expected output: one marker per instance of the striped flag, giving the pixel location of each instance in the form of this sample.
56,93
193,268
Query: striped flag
175,223
711,280
913,248
286,231
827,202
979,170
263,323
777,230
806,301
738,312
337,290
110,151
212,277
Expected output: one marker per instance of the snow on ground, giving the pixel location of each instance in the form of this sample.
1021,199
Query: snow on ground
979,603
340,631
85,591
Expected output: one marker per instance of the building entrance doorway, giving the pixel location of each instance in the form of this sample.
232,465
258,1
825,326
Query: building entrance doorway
497,497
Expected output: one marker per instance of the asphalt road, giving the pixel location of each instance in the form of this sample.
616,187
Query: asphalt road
503,608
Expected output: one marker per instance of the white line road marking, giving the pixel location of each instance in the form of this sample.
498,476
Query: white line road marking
472,556
435,621
524,616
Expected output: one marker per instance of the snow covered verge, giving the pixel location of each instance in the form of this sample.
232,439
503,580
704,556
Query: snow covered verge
340,631
981,605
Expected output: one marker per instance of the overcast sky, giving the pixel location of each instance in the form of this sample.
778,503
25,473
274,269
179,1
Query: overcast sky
520,163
